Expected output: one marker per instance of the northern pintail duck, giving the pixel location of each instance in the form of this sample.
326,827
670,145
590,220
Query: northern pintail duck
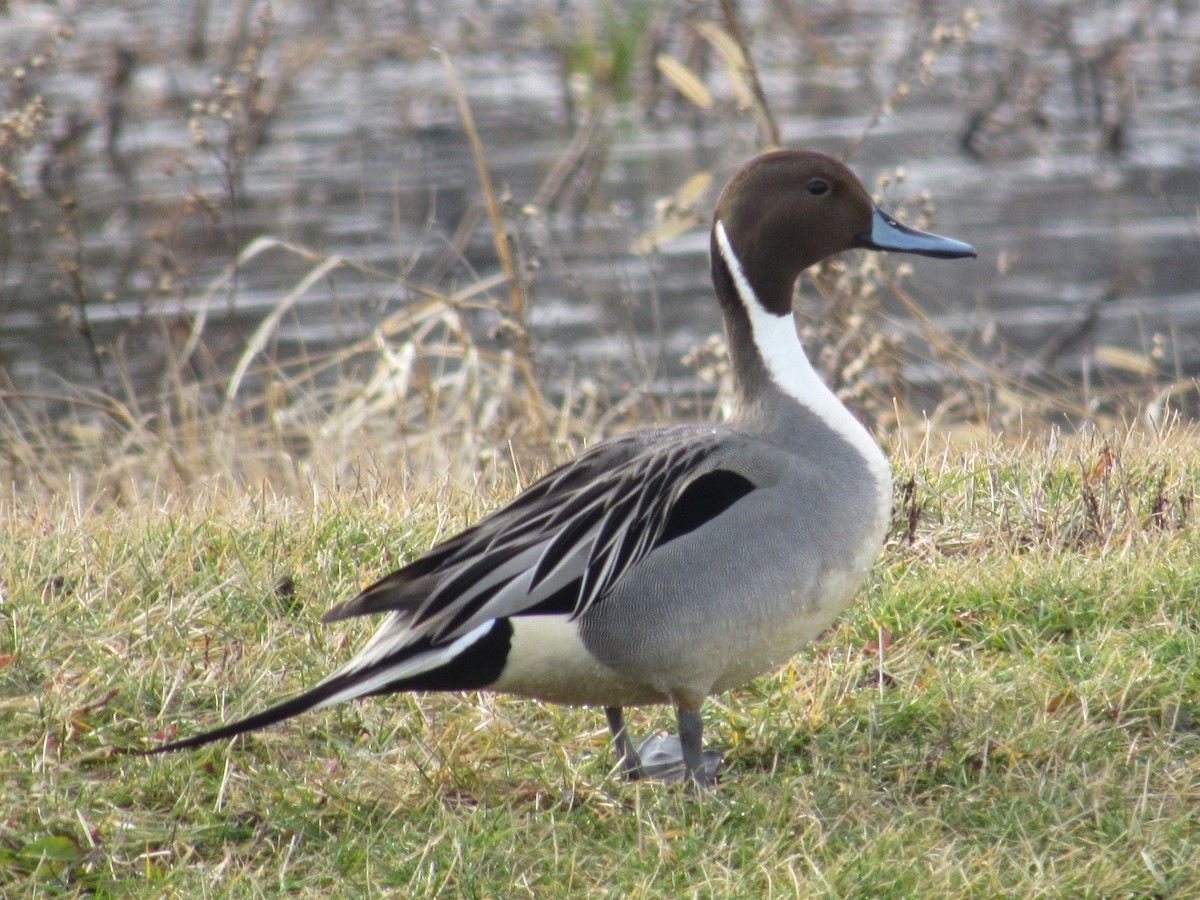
675,562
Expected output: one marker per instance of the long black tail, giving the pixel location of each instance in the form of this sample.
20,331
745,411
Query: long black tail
468,663
269,716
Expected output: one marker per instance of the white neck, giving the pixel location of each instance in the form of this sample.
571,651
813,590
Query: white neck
788,367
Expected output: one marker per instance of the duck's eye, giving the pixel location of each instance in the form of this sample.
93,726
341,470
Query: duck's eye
818,186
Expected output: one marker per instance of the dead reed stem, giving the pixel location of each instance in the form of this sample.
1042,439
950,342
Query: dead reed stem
516,291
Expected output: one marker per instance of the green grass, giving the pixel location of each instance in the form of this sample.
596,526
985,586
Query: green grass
1007,710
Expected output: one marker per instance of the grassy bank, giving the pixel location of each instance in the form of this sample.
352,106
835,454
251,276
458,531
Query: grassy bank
1008,708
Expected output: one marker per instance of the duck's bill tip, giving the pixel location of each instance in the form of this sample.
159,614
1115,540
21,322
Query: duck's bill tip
888,234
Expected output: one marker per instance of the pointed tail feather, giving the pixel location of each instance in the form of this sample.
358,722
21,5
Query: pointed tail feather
388,663
269,716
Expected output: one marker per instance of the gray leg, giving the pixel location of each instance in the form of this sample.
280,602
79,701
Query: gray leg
680,756
631,763
691,744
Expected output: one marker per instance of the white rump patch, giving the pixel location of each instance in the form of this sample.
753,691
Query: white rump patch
548,660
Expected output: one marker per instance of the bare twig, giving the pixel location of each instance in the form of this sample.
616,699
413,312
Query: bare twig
762,108
515,292
74,272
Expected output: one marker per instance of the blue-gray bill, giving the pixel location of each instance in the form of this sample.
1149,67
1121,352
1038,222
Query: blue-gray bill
888,234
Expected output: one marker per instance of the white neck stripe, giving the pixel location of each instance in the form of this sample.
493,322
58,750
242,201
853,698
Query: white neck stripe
788,366
775,336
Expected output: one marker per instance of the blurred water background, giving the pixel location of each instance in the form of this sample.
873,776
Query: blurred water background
147,144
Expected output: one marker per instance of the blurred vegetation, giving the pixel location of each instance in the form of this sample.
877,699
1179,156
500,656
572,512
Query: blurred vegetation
220,87
604,48
134,174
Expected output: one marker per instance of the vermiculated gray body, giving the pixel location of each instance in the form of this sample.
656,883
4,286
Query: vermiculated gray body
685,625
